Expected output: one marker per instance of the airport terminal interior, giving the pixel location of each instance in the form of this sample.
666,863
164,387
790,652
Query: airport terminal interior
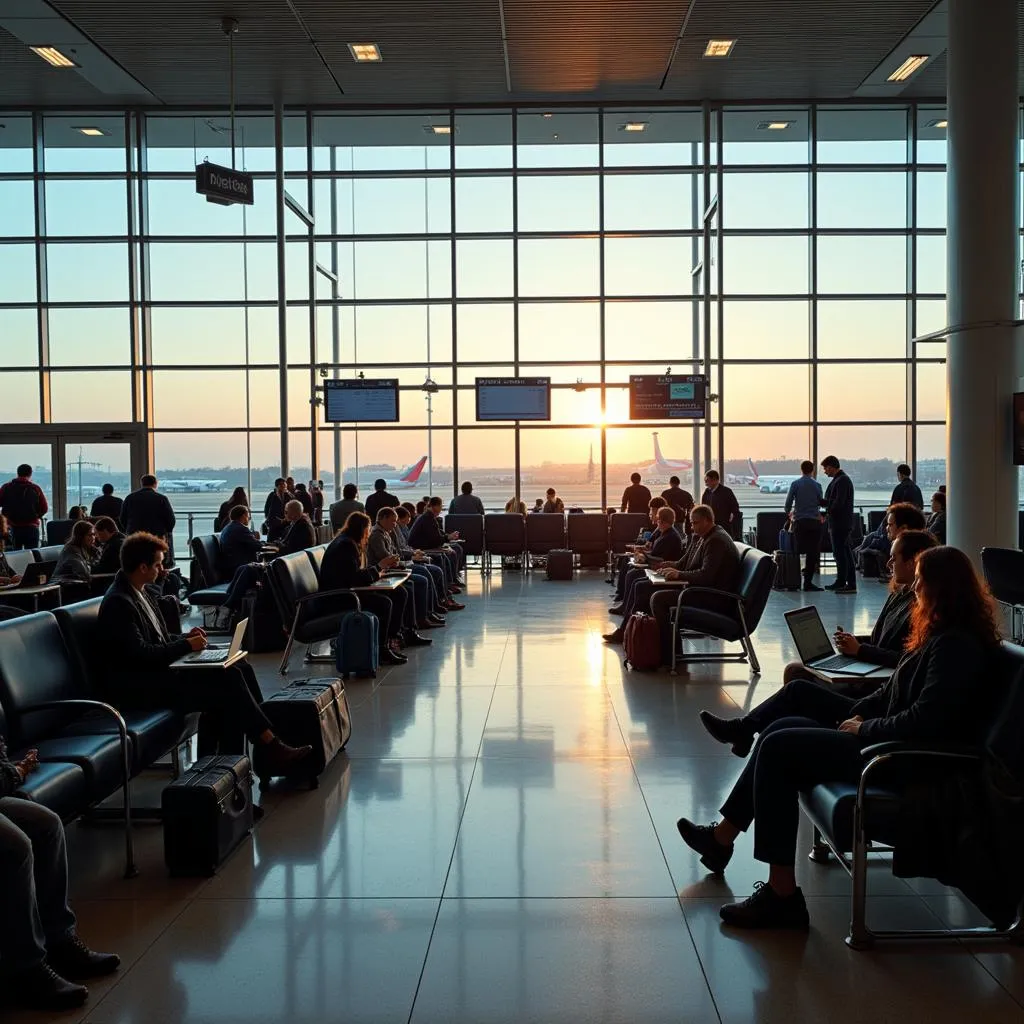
525,246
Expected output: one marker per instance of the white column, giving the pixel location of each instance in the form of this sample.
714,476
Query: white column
983,272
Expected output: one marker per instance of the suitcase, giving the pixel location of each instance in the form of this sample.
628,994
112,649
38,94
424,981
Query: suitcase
787,542
313,711
265,631
787,570
559,564
642,642
207,812
357,649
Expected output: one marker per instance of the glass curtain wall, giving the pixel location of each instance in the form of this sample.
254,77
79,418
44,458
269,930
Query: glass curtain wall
791,254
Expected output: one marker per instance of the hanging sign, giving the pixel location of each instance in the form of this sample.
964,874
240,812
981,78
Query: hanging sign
223,185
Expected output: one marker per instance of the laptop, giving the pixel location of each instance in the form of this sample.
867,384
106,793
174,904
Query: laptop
815,647
655,577
225,656
393,579
36,573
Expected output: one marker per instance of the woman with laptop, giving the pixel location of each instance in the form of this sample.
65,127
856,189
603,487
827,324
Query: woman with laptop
937,694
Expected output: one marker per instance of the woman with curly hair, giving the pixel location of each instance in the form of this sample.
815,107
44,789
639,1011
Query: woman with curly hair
940,692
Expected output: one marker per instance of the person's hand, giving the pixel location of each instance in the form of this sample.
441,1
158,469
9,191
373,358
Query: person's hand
15,580
28,764
197,641
197,631
454,535
847,643
670,574
389,562
639,558
852,725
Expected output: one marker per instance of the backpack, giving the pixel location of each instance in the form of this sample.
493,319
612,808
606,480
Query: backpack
642,642
21,502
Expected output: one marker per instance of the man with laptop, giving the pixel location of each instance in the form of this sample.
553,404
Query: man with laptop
860,666
143,667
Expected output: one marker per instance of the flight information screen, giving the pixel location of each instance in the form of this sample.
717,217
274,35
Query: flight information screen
361,401
670,396
513,398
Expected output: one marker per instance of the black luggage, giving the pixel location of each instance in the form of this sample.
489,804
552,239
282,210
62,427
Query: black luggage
787,570
265,631
207,812
313,711
559,564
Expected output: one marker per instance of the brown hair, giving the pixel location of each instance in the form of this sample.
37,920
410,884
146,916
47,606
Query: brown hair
905,516
950,595
106,524
140,549
703,512
79,532
912,543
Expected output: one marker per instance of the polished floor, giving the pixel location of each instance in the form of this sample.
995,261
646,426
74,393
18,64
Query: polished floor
500,845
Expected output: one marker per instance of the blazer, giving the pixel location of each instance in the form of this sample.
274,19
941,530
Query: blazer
273,507
907,490
341,510
839,503
666,546
710,561
936,694
299,536
341,567
380,545
723,503
73,565
147,510
110,556
936,526
378,500
107,505
237,546
636,498
885,644
463,504
129,642
681,501
427,534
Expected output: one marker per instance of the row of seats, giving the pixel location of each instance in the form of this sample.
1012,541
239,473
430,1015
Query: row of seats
50,699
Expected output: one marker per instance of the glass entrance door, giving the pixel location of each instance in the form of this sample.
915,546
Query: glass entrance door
90,462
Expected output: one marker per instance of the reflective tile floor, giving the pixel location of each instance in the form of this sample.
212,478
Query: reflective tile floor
500,845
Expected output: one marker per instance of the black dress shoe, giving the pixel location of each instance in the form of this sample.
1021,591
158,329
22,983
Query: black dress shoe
615,637
278,759
765,908
733,731
428,624
616,609
42,988
72,958
701,838
390,657
413,639
813,587
831,586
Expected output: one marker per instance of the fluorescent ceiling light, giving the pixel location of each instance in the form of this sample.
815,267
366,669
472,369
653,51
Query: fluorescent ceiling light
88,129
547,115
441,129
53,56
774,126
937,122
634,126
365,52
908,67
719,47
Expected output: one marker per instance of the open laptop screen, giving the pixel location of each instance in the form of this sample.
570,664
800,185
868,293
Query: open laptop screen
809,634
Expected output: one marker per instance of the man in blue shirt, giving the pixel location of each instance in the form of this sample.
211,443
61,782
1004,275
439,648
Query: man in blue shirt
803,506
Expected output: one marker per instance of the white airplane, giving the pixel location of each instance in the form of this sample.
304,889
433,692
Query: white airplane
662,467
191,486
409,478
768,484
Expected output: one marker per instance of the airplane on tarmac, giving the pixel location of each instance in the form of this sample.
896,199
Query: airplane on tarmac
410,477
662,467
191,486
766,484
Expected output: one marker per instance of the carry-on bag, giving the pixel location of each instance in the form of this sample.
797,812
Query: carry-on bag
559,564
311,711
265,631
642,642
207,812
357,647
787,570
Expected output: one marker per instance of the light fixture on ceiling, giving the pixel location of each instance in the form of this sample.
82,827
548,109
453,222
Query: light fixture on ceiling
438,129
774,126
53,56
88,129
365,53
908,67
937,122
719,47
633,126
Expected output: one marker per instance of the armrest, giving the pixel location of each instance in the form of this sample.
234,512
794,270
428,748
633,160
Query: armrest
882,753
92,705
339,592
710,590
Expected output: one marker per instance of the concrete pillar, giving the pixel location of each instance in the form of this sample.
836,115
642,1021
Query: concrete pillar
984,362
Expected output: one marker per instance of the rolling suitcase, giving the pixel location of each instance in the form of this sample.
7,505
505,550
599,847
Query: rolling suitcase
207,812
642,642
357,649
313,711
559,564
265,631
787,570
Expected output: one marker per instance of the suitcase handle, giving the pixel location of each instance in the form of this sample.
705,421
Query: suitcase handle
240,803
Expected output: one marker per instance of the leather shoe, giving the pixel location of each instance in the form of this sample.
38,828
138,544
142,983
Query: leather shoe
72,958
429,624
413,639
765,908
616,609
390,657
615,637
454,606
813,587
701,838
437,618
277,758
42,988
729,730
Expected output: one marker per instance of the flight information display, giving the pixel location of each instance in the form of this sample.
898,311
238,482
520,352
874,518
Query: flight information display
670,396
361,401
513,398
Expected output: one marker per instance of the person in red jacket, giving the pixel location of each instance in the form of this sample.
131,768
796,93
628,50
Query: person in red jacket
24,504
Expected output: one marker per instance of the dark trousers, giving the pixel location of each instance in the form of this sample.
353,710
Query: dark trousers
846,572
663,603
622,566
807,537
804,698
244,579
229,699
437,592
628,581
25,536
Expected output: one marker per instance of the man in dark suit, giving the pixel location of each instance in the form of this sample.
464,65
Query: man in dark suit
839,518
110,540
681,501
238,545
906,489
428,535
665,545
148,511
273,509
299,533
722,501
135,653
380,499
106,504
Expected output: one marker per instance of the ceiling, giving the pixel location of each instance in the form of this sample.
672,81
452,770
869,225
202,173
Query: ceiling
455,51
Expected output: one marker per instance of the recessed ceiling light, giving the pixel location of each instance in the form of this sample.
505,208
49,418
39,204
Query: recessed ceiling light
908,67
440,129
719,47
365,52
633,126
53,56
547,115
937,122
774,126
87,129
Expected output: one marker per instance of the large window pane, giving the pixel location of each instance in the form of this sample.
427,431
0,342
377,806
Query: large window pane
563,203
931,391
483,139
483,204
401,205
208,398
864,201
648,330
931,264
91,337
768,393
749,138
176,209
92,396
931,199
881,390
862,329
645,202
84,207
671,137
869,455
765,200
862,264
19,329
212,271
562,330
17,273
483,269
648,266
20,402
632,448
559,459
872,135
766,330
774,451
485,331
765,265
67,149
379,142
18,201
87,272
557,139
559,266
402,270
16,154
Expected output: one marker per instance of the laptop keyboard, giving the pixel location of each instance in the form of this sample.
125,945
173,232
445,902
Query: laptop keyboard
835,663
213,654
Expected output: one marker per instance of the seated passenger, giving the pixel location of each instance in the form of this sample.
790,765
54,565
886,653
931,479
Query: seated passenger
428,535
554,502
76,513
341,510
515,505
810,734
380,547
538,505
239,545
78,554
137,652
238,497
936,524
299,534
8,577
710,560
899,517
665,545
109,538
344,566
40,949
435,563
466,502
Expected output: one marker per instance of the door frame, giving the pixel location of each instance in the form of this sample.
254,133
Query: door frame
59,435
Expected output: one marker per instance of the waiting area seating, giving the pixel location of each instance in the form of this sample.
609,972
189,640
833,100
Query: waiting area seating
213,575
